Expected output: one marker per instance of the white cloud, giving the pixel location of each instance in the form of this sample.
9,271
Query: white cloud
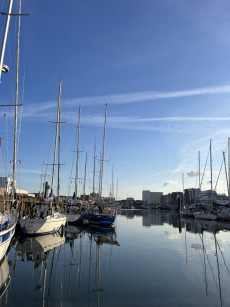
170,183
32,109
145,96
194,173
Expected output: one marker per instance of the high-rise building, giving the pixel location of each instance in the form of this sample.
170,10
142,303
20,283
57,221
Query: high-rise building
146,196
151,197
191,195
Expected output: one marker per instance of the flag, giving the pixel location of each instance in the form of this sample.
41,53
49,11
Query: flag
5,113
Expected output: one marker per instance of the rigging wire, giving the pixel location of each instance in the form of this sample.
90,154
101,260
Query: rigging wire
73,160
220,170
219,174
204,169
7,136
20,116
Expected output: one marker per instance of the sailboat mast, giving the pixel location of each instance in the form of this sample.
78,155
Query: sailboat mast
226,173
16,103
5,35
183,187
211,170
229,168
59,154
99,188
117,189
103,151
56,137
94,168
78,140
85,178
112,186
199,166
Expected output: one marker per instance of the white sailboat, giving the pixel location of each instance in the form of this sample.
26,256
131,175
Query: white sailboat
48,221
206,215
224,213
8,218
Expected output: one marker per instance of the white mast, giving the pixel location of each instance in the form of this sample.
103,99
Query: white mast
59,145
99,188
5,36
94,167
103,153
84,178
112,185
199,176
199,166
16,104
117,190
211,170
78,140
56,137
229,168
225,168
183,188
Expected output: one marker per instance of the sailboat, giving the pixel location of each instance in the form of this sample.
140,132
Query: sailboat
45,221
206,215
74,211
8,218
98,214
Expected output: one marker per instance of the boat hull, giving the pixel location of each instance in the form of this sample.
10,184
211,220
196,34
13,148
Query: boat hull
224,216
101,219
74,217
186,214
5,238
39,226
204,216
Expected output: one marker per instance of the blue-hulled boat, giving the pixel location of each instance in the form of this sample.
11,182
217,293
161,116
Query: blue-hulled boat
8,221
106,219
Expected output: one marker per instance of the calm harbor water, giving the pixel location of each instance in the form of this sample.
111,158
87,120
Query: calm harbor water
147,259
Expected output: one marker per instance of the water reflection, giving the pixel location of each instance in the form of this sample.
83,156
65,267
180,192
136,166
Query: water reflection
5,278
207,252
147,259
37,250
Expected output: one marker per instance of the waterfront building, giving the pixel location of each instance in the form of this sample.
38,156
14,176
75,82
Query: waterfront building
208,195
165,199
146,196
6,185
151,197
191,196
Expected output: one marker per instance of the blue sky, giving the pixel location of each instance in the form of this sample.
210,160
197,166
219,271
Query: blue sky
161,66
